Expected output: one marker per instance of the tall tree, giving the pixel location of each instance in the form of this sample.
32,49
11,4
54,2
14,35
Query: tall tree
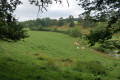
71,24
61,21
70,19
80,19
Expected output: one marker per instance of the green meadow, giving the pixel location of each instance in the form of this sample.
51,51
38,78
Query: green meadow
53,56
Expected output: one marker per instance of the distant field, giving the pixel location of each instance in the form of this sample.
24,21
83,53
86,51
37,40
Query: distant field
52,56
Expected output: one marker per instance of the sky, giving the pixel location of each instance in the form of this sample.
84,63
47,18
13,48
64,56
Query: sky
26,11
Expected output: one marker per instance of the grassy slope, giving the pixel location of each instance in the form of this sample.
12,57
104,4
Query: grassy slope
49,56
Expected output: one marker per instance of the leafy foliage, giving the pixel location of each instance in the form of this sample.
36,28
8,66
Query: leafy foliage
111,44
9,28
101,34
45,22
70,18
75,32
103,10
12,33
61,21
71,21
98,35
43,4
85,21
71,24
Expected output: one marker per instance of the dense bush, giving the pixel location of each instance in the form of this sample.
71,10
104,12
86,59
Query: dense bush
99,34
12,32
34,28
39,28
55,30
75,32
68,31
110,46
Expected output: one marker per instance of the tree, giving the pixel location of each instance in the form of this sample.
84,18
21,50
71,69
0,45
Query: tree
71,24
103,11
61,21
85,21
10,30
70,19
80,19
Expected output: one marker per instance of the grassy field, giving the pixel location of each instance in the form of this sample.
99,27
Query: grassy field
52,56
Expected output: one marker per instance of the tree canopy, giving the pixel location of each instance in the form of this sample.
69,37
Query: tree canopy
102,10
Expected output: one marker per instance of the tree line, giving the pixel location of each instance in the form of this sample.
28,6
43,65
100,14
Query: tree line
47,22
70,21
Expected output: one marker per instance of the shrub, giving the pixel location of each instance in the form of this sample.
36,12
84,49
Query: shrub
43,29
55,30
68,31
99,34
39,28
100,49
111,45
75,32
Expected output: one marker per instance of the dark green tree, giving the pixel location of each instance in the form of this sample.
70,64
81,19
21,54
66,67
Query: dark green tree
10,30
80,19
61,21
71,24
70,19
103,10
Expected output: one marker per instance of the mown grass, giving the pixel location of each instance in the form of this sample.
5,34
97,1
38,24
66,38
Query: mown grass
52,56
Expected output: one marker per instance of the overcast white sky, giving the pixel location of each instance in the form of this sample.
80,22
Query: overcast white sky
26,11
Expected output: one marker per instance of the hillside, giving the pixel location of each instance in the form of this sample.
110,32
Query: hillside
53,56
